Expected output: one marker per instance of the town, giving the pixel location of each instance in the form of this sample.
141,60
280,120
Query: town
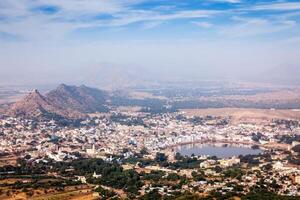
148,145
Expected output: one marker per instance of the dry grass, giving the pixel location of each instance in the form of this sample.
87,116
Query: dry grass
70,193
83,197
144,95
67,195
10,160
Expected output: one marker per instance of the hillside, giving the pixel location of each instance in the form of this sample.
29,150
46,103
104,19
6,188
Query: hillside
64,101
81,99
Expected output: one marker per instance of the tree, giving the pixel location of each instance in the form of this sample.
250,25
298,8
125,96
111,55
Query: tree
268,167
178,156
260,195
152,195
144,151
218,169
161,157
296,148
198,176
173,177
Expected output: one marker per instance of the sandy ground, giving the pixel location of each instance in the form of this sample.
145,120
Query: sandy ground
246,115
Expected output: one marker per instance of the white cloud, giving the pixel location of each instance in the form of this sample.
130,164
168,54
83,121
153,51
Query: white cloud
203,24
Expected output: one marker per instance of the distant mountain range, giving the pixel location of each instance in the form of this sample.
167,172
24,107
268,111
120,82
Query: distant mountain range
73,102
64,101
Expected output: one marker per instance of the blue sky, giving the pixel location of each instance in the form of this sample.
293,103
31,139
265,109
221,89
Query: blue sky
81,19
49,26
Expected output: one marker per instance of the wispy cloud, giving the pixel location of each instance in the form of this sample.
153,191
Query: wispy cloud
228,1
54,19
46,9
7,36
151,25
202,24
245,27
41,18
278,6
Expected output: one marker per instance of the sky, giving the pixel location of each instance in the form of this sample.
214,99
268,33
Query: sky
53,41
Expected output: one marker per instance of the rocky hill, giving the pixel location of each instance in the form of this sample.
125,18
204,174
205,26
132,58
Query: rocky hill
81,99
64,101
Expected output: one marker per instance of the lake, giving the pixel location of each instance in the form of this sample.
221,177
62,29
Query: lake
219,150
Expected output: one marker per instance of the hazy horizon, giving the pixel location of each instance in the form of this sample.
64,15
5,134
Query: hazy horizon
80,42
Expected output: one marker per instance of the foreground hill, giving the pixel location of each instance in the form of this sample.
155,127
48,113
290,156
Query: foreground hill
81,99
33,105
64,101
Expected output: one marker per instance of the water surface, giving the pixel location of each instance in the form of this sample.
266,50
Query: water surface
219,150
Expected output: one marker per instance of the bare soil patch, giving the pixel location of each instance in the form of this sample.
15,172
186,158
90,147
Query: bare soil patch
239,115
